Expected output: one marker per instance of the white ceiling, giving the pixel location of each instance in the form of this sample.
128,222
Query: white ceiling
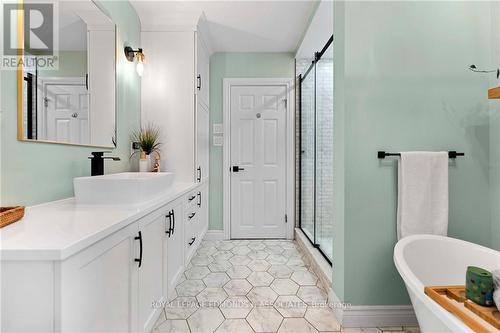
319,32
75,18
237,26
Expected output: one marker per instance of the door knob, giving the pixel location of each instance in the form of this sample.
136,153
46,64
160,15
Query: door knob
237,168
74,115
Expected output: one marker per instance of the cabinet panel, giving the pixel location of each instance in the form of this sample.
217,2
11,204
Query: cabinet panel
150,277
167,98
174,249
202,142
203,204
27,296
203,68
97,286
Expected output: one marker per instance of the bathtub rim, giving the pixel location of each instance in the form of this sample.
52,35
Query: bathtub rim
417,288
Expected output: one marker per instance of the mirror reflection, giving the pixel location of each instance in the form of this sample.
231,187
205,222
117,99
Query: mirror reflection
73,103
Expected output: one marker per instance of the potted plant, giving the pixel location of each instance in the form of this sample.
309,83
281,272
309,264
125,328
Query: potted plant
148,138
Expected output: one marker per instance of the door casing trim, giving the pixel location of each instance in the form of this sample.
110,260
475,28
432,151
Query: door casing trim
290,148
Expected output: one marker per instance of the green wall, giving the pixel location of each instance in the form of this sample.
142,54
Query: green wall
338,279
236,65
401,68
494,113
71,63
32,173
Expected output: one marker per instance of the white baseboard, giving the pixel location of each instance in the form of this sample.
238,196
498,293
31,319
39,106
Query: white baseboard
215,235
379,315
371,315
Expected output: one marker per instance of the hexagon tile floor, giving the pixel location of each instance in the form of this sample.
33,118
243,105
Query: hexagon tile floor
252,286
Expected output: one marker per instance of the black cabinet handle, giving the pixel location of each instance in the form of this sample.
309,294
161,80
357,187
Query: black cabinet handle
173,222
140,249
198,86
191,215
87,81
199,199
192,198
193,239
199,174
169,229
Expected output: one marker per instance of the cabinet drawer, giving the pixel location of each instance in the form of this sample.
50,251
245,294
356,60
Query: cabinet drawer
192,239
192,214
191,198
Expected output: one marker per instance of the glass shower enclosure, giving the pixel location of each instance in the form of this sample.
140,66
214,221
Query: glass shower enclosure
316,149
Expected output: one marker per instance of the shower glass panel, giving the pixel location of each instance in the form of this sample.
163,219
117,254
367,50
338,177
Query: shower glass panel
316,149
307,155
324,152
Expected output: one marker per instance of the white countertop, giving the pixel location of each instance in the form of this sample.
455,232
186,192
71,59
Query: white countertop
59,229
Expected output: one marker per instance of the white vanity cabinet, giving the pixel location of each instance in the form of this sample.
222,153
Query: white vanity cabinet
173,248
175,97
117,282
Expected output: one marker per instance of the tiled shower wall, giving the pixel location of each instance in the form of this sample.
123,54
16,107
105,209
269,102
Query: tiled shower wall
316,143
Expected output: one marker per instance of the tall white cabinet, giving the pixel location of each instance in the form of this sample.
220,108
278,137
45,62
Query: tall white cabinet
175,97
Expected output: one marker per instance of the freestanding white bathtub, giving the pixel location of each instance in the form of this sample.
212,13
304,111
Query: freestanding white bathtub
426,260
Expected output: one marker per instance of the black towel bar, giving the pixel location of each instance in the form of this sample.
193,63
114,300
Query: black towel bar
383,154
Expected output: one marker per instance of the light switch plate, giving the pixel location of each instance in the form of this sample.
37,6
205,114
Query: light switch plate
217,129
218,140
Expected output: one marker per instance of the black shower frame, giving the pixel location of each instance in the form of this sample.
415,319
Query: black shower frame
317,57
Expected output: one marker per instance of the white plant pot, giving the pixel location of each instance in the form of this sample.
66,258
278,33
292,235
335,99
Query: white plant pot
145,164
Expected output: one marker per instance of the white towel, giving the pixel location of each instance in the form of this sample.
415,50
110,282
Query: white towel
422,194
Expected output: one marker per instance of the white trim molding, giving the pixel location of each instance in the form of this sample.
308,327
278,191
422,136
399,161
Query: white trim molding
290,148
378,316
371,315
215,235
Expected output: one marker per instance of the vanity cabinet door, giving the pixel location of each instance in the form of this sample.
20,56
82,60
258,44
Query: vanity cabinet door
202,142
98,288
150,278
174,249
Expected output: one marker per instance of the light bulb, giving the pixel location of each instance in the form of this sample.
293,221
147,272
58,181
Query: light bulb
140,62
140,68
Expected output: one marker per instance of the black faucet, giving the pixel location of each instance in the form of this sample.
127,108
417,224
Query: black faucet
97,162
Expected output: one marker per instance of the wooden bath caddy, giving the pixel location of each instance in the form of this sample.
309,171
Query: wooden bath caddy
477,317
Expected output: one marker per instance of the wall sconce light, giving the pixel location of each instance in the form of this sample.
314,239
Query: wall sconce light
130,54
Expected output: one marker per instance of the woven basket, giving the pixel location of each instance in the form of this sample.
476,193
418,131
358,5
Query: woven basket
10,215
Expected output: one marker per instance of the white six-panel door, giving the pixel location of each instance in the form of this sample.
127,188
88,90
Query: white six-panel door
67,113
258,149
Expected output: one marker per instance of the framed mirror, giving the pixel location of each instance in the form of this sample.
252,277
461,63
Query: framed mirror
71,101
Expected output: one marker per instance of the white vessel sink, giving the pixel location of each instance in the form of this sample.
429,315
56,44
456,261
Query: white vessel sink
122,188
